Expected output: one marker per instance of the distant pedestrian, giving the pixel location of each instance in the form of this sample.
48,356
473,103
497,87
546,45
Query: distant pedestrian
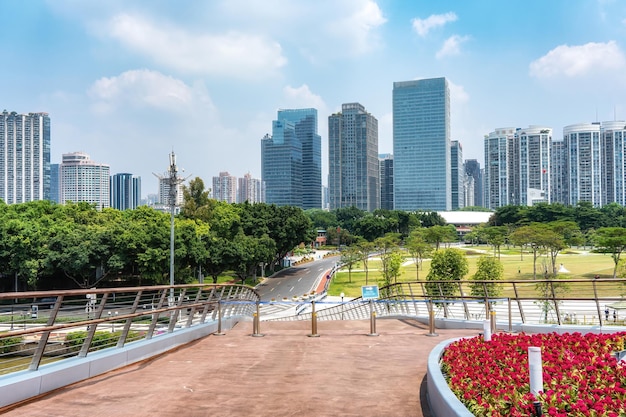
606,313
614,316
519,270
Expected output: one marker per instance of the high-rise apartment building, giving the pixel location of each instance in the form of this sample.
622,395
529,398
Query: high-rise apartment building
517,166
534,145
250,189
225,188
498,172
386,181
472,168
164,192
291,160
457,175
83,180
584,162
353,176
125,191
421,145
613,161
24,157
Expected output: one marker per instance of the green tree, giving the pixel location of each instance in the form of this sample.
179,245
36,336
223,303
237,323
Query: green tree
447,266
364,249
349,258
613,240
418,248
386,245
393,263
496,237
196,201
437,235
489,271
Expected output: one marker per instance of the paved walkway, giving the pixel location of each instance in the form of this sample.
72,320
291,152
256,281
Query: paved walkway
343,372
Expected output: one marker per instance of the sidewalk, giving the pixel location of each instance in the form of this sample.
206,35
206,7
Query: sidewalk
341,373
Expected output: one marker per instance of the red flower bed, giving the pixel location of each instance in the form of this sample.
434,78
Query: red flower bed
581,377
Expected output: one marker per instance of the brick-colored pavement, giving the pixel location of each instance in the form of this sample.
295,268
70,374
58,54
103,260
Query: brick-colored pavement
343,372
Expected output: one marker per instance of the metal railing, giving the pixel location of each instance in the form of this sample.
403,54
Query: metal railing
43,327
575,301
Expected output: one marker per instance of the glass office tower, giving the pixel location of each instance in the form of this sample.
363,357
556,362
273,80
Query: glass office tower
125,191
291,160
421,145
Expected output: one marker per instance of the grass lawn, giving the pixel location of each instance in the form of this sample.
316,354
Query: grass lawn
580,264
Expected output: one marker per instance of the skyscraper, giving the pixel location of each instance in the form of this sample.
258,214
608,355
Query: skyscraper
386,181
125,191
457,175
84,180
582,143
517,166
472,168
534,144
24,157
353,178
613,143
421,145
225,188
250,189
498,172
291,160
55,182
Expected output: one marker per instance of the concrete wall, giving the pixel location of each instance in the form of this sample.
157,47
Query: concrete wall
20,386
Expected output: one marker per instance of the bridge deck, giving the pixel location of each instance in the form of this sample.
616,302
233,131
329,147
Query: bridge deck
341,373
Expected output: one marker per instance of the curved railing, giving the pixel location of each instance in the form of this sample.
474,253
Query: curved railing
44,327
563,302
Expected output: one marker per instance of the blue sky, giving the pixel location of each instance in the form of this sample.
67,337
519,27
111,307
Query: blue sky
129,81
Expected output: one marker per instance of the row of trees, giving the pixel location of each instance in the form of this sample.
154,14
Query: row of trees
45,245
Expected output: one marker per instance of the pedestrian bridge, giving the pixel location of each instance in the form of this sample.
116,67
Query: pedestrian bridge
49,340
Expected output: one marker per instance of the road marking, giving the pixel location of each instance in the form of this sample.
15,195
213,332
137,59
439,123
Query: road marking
291,289
299,279
272,290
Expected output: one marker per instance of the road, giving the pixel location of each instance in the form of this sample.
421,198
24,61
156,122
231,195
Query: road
295,281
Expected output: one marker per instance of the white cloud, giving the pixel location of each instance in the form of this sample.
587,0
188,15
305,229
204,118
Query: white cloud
579,60
458,95
359,25
423,26
145,88
452,46
302,97
234,53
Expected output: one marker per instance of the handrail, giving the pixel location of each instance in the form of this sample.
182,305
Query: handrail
551,301
45,326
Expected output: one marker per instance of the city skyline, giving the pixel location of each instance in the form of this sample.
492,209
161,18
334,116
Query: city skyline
129,83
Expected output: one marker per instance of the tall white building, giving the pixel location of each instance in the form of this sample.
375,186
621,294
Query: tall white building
82,179
532,147
250,189
164,192
613,161
584,170
497,190
225,188
517,166
24,157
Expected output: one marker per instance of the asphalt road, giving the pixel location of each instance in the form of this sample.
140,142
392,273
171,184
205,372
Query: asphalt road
297,280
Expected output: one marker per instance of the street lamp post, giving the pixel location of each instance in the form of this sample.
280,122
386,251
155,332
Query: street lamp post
342,295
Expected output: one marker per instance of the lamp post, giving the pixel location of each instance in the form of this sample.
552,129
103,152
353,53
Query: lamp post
173,181
342,295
